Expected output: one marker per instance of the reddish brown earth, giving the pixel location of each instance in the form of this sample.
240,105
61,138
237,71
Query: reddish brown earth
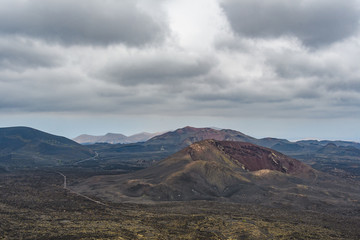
185,136
255,158
209,170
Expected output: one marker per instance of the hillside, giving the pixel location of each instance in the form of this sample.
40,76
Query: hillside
344,161
183,137
34,205
23,147
231,171
161,146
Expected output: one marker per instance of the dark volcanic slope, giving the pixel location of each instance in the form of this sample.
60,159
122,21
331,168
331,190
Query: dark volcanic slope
23,147
208,170
253,158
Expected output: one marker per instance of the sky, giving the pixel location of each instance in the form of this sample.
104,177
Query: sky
274,68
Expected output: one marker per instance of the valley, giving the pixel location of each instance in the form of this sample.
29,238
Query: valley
34,205
192,183
199,120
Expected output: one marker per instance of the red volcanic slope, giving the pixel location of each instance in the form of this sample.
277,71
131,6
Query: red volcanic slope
206,170
254,157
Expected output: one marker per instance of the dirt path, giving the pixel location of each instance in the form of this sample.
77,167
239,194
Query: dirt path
88,159
79,194
64,179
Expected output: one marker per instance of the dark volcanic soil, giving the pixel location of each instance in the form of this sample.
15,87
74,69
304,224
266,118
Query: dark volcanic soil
34,205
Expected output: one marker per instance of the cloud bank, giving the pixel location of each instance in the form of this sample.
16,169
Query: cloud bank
234,59
91,22
315,23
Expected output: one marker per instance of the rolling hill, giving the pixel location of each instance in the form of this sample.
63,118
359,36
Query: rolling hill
344,161
162,146
226,171
23,147
183,137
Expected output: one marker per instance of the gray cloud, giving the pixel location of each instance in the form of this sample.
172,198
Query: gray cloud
92,22
292,64
56,90
314,22
157,68
319,73
270,75
346,85
18,55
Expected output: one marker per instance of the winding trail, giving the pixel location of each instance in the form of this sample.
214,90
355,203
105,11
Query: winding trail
64,179
88,159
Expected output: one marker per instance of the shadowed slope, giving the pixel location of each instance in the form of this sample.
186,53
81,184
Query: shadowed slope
23,147
342,161
206,170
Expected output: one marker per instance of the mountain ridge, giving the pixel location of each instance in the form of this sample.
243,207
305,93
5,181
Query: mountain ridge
24,147
114,138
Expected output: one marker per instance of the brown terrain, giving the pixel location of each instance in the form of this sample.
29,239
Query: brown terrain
212,189
255,158
227,171
183,137
339,158
34,205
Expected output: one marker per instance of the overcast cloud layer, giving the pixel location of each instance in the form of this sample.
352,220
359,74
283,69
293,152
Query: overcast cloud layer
208,58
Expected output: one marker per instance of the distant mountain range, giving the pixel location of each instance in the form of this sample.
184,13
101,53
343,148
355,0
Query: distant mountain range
161,146
343,161
23,147
29,148
224,166
114,138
